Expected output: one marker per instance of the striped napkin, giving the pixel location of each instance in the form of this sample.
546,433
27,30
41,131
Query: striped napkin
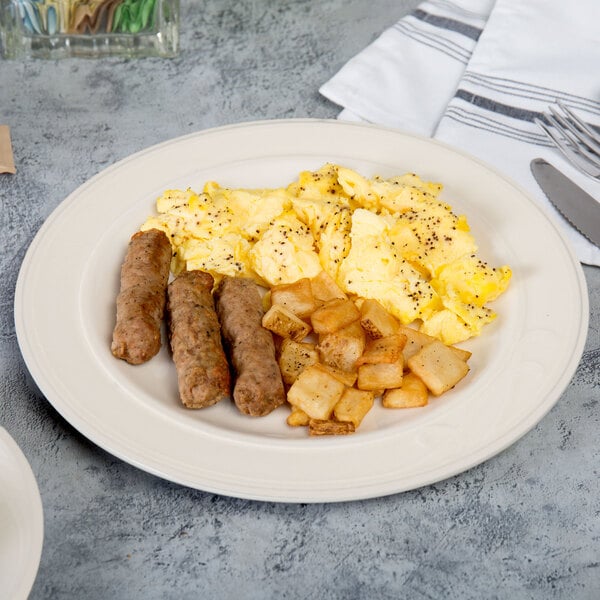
475,74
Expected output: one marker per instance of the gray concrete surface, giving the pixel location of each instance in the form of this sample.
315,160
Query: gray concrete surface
524,525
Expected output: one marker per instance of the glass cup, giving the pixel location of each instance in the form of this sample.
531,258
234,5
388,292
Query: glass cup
90,28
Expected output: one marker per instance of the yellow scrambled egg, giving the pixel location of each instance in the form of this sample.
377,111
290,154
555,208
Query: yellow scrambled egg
392,240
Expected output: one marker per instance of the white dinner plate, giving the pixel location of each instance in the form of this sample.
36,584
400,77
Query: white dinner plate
65,307
21,522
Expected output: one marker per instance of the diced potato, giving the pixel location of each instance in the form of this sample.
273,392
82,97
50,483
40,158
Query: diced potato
411,394
294,357
297,418
346,377
316,392
326,427
381,375
324,288
415,340
341,349
438,366
376,320
353,405
285,323
297,297
461,353
334,315
266,301
387,349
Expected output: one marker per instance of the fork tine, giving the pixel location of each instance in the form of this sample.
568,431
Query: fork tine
578,127
594,135
574,137
583,165
579,143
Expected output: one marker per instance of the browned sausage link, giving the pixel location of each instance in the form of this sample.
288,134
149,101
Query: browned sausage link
195,334
141,299
258,387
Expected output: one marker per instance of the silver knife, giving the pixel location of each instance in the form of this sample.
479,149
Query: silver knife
574,204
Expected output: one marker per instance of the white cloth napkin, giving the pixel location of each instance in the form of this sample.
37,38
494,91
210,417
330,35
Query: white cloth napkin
474,74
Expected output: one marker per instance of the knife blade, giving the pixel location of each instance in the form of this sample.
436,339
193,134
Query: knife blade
573,203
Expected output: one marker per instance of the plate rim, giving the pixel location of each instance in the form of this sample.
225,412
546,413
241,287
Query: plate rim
85,428
35,522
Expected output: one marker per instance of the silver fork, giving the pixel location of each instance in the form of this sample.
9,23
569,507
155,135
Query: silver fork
579,143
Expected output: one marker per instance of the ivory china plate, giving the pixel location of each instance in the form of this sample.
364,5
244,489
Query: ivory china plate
65,306
21,521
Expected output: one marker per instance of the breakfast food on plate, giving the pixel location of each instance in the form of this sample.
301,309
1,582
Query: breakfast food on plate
195,337
391,240
141,299
258,387
369,285
359,351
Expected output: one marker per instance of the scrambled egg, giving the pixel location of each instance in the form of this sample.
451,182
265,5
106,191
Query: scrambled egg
392,240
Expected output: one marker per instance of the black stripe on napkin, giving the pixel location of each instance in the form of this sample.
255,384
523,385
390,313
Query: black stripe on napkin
498,107
446,23
480,121
439,43
530,91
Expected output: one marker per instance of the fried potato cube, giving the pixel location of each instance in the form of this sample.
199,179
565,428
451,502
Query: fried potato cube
285,323
324,288
353,405
387,349
334,315
342,348
376,320
438,366
266,300
327,427
297,297
415,340
297,418
294,357
346,377
316,392
381,375
411,394
461,353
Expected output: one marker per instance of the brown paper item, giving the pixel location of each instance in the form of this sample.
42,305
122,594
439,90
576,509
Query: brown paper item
7,163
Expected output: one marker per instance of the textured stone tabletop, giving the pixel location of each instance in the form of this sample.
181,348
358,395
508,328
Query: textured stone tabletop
525,524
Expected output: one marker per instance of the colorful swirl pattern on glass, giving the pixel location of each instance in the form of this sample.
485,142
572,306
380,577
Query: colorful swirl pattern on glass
56,17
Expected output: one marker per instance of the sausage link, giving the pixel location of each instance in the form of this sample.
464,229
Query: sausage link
141,299
195,336
258,387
